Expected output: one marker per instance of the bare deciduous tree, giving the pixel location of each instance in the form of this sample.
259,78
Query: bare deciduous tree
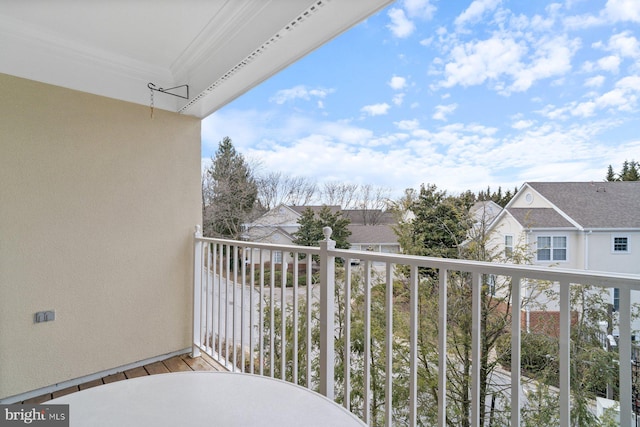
276,188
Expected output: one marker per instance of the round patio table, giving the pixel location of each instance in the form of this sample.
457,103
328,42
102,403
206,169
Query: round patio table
203,399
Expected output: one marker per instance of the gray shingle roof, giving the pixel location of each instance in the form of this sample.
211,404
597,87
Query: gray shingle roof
595,204
376,216
372,234
314,208
539,218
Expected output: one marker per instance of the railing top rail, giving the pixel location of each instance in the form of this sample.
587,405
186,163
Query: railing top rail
259,245
601,278
527,271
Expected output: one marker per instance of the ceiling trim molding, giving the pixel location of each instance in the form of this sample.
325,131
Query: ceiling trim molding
286,31
213,36
78,52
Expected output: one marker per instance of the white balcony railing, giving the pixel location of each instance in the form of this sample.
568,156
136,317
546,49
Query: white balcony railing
248,319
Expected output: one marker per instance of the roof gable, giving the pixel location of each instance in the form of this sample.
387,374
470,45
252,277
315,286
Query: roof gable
595,204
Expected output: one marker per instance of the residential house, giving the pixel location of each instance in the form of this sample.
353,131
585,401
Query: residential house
583,225
100,167
371,229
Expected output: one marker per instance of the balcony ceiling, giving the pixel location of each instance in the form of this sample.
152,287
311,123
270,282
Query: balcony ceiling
220,48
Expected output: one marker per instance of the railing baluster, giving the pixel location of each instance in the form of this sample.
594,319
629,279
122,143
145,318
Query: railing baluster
261,315
442,346
197,292
296,325
413,351
388,390
221,312
272,314
283,319
251,311
327,315
476,294
565,363
347,336
515,349
367,342
309,306
625,357
227,283
208,295
243,281
234,287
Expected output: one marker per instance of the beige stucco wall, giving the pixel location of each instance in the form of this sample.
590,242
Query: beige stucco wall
97,209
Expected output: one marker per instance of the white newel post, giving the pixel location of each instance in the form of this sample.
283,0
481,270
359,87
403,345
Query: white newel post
197,289
327,314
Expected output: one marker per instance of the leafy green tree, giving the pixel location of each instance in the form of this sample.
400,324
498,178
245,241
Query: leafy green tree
440,225
229,193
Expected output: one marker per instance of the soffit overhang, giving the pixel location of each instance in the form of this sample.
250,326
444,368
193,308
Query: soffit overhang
220,48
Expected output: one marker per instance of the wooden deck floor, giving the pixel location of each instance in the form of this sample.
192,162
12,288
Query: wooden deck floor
175,364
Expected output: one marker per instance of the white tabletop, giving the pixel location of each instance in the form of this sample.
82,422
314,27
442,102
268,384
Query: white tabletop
203,399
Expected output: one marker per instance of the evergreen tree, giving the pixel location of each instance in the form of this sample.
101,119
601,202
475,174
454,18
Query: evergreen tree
308,234
630,172
229,193
311,225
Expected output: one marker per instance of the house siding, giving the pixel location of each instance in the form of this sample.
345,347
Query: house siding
601,257
97,208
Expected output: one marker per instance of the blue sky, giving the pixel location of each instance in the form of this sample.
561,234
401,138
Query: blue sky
461,94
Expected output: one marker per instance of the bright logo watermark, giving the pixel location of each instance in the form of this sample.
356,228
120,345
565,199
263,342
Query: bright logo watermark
34,415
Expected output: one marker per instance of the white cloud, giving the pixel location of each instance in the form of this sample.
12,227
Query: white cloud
422,9
552,57
407,124
522,124
474,62
623,10
623,97
625,45
400,25
299,92
398,83
442,111
398,99
609,63
504,62
614,11
376,109
581,22
584,109
595,81
475,11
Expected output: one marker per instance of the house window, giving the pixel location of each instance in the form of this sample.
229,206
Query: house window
552,248
620,244
616,299
277,257
508,246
